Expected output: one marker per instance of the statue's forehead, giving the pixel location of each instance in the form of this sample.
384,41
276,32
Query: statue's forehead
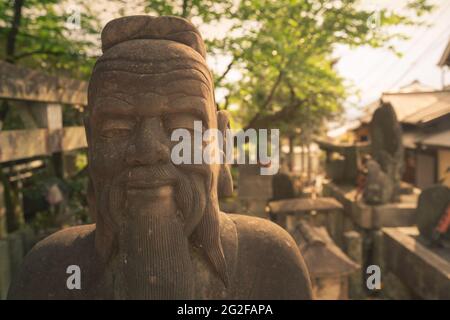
184,81
178,91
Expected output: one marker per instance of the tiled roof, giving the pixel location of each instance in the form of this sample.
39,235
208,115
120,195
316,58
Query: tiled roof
414,107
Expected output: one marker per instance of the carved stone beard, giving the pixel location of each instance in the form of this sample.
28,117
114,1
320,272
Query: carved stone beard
154,252
152,236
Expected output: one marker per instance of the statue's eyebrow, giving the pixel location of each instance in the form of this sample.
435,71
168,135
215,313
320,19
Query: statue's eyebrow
192,77
125,108
187,86
122,108
191,108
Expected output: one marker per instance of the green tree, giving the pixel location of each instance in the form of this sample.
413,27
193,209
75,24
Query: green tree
207,11
46,34
288,76
202,13
283,50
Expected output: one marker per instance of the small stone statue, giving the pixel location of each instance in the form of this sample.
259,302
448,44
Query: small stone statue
283,184
159,233
387,151
378,186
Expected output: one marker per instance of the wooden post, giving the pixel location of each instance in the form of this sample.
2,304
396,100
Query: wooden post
47,115
378,253
309,171
3,230
291,221
302,170
5,275
353,248
16,254
335,225
50,116
291,154
14,213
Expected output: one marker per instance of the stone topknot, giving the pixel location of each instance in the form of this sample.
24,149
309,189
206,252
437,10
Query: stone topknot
147,27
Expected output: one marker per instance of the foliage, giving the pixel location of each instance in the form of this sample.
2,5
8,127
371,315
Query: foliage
283,51
46,39
207,11
72,210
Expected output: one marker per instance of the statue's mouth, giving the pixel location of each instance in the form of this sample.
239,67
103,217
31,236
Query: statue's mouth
152,188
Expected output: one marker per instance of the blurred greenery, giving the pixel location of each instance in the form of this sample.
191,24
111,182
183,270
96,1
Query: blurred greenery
35,33
71,210
283,51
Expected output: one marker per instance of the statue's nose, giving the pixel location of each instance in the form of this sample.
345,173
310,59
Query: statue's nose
148,147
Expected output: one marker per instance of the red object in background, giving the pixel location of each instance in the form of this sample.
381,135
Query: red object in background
361,180
444,222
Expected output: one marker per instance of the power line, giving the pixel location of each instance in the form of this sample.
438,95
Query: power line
417,41
432,46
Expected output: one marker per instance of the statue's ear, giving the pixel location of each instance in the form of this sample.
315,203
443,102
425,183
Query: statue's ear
87,127
90,195
225,182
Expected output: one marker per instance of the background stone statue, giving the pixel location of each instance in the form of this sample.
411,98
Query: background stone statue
379,187
387,151
283,184
159,233
433,203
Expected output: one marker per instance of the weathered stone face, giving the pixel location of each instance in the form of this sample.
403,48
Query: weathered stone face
131,120
387,149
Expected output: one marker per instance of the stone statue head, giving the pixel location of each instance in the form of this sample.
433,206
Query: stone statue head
152,79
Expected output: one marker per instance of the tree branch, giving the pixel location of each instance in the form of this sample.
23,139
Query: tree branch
226,103
185,9
269,98
272,91
40,51
12,35
226,71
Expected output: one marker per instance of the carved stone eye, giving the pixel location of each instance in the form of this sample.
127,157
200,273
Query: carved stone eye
181,121
116,133
117,128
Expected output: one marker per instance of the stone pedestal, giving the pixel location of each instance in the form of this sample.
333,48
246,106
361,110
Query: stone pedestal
402,213
353,244
367,221
323,211
254,190
329,267
423,270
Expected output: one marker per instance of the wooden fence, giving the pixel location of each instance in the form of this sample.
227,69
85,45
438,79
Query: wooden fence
39,99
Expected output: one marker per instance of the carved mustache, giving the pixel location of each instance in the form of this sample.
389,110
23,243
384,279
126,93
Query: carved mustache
151,176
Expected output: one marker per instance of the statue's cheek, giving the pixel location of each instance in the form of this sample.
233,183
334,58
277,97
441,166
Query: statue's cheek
108,157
